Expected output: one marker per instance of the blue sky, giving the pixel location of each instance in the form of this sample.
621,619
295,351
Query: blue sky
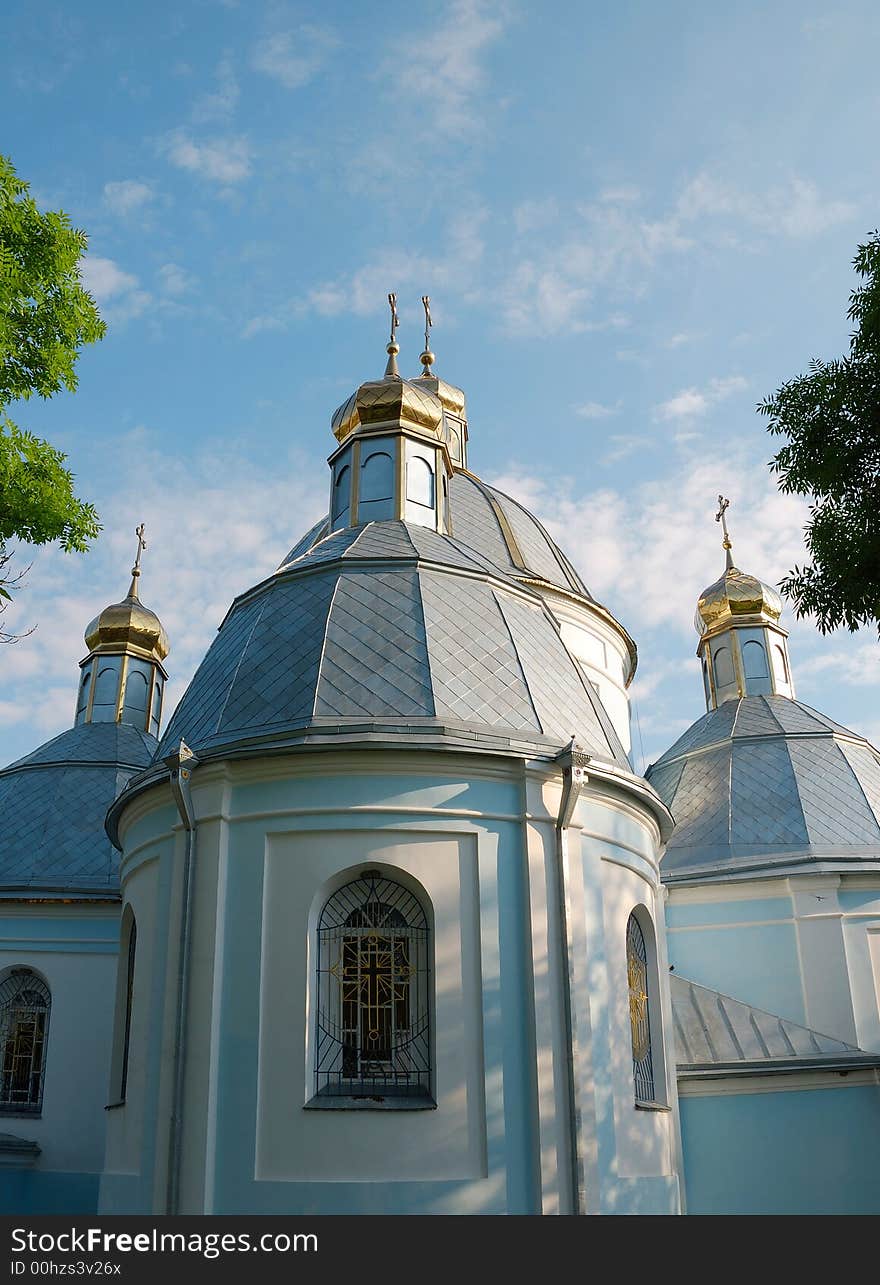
634,221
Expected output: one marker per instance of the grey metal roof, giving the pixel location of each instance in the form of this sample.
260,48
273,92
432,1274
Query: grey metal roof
479,515
52,808
766,782
714,1032
391,623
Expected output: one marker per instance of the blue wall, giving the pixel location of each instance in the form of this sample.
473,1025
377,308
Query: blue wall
35,1191
811,1151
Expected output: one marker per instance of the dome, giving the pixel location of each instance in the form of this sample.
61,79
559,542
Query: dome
496,528
736,596
53,804
392,399
128,624
764,783
393,633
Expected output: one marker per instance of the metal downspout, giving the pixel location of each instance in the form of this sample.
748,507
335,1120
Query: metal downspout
573,762
181,765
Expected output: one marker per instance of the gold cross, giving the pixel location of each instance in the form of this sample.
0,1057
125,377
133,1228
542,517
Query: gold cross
395,320
426,304
723,506
142,544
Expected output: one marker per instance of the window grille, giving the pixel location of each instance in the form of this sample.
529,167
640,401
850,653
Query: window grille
639,1015
372,1037
24,1021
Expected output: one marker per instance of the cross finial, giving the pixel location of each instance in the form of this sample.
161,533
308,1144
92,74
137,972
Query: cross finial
136,569
393,347
720,516
427,357
142,544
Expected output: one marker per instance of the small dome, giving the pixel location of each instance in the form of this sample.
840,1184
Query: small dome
128,624
54,802
389,400
734,596
765,783
451,398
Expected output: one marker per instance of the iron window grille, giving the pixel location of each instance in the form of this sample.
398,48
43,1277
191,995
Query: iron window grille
639,1013
25,1002
373,1030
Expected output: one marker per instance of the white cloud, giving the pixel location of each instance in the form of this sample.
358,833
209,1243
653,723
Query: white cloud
105,279
127,196
445,70
118,292
257,325
189,513
530,216
596,410
293,58
648,552
222,160
221,104
693,402
858,667
175,280
795,209
451,266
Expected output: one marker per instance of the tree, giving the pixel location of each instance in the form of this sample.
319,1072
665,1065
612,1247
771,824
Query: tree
831,417
46,316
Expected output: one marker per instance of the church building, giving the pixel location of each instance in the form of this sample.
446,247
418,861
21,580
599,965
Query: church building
386,922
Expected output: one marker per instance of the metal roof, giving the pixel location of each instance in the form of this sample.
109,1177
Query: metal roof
488,527
53,803
715,1033
390,622
766,782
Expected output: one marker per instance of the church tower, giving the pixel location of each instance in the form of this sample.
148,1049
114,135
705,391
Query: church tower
743,648
60,917
400,942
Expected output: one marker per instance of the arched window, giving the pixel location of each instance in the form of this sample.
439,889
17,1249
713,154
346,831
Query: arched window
372,1036
420,482
341,497
106,689
724,675
83,698
129,992
639,1012
157,706
779,665
136,689
25,1002
376,495
754,659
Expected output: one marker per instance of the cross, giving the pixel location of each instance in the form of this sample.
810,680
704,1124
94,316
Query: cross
426,304
395,320
142,544
723,506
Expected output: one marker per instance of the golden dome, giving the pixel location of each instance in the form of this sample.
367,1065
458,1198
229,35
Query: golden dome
735,596
128,626
450,397
391,400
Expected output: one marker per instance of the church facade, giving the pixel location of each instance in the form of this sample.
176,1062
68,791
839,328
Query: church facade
384,921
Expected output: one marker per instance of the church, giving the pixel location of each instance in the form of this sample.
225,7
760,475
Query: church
382,919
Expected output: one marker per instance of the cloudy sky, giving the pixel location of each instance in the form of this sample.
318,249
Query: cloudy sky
635,221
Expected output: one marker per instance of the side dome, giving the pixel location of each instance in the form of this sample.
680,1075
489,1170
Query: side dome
765,783
53,804
128,624
736,596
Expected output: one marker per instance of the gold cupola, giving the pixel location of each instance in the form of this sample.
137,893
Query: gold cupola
399,442
123,676
452,399
742,646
